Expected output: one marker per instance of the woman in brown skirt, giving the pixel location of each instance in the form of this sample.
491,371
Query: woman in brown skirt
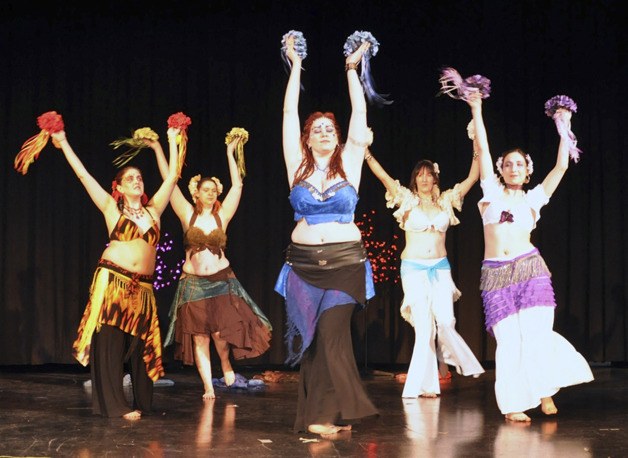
210,301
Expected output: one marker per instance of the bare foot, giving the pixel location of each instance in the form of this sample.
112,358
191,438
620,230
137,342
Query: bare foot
517,416
444,378
209,394
344,427
401,378
229,378
326,431
428,395
548,407
135,415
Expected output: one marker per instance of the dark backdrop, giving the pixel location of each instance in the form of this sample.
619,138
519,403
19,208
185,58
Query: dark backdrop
111,67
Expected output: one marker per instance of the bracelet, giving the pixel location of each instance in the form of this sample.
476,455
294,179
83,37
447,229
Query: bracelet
357,143
351,66
368,157
475,154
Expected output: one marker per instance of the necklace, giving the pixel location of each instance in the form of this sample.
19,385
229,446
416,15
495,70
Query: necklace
324,169
136,213
426,201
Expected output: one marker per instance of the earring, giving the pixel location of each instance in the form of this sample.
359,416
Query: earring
527,180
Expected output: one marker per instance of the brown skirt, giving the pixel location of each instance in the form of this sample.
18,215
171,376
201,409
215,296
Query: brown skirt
227,314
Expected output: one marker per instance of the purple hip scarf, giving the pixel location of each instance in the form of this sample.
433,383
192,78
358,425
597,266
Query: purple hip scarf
513,285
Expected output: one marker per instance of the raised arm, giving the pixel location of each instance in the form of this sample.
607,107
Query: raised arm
181,206
381,174
563,123
480,144
232,200
292,153
162,196
358,135
388,182
99,196
474,171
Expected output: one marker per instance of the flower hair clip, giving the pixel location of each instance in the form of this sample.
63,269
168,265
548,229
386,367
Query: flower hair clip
114,191
436,168
193,186
218,185
529,164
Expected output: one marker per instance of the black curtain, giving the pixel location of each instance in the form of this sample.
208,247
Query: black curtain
112,67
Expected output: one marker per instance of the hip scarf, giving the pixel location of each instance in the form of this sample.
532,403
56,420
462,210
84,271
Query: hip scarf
429,285
198,287
408,265
124,300
316,278
513,285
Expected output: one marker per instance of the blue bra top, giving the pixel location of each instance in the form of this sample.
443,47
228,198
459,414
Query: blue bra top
335,204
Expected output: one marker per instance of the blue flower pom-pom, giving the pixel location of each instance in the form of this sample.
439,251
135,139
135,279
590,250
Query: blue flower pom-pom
356,39
353,42
300,44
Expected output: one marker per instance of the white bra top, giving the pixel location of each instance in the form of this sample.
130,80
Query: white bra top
419,221
524,213
412,219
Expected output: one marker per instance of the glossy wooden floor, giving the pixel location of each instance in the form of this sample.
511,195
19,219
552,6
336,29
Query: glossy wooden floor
45,411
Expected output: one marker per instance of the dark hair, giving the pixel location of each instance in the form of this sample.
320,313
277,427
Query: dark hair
423,164
307,164
118,180
123,171
503,157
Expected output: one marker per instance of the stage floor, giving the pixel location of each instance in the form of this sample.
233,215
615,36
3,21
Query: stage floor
45,411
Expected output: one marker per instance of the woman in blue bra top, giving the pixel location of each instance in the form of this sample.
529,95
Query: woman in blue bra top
210,301
532,362
120,321
326,271
425,214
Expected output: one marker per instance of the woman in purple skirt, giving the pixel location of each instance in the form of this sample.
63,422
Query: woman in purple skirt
532,362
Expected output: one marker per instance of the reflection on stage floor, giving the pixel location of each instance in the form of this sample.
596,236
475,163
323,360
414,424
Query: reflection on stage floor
45,411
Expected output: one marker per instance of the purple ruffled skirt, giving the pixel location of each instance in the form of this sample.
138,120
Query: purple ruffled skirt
513,285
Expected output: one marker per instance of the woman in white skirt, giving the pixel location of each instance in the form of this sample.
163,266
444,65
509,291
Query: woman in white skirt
425,214
532,362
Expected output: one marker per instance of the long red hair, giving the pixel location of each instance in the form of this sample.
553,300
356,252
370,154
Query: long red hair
307,164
